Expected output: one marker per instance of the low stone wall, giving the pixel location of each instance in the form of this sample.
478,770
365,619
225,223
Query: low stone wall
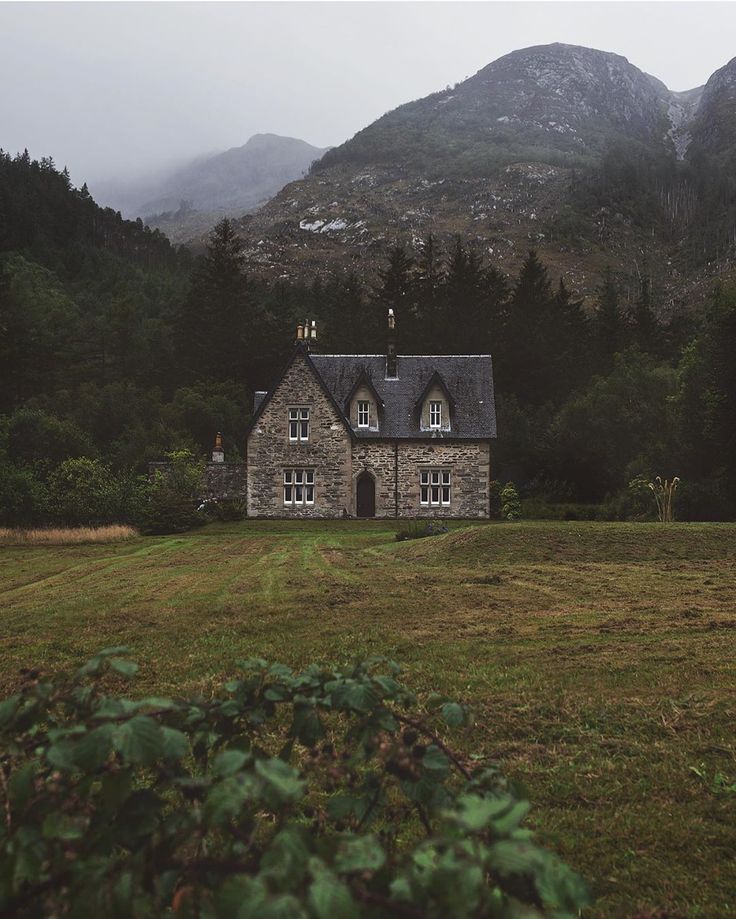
226,481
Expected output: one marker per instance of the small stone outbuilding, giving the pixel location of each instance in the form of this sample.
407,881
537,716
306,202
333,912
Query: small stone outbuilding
372,435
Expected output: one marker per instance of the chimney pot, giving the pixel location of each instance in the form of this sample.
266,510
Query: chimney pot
218,454
392,369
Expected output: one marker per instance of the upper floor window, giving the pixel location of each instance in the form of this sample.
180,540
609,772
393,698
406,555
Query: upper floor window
298,424
364,413
434,487
435,414
298,486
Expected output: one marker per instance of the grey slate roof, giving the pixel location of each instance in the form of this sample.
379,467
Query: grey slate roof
468,378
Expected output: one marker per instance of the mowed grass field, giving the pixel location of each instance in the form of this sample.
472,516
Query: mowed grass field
600,660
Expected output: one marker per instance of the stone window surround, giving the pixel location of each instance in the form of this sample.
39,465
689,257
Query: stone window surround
298,423
435,413
439,479
364,413
298,487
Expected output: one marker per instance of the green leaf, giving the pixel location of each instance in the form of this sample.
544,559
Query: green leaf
229,762
94,748
21,785
286,859
281,780
139,740
63,826
475,812
509,821
61,755
306,726
175,743
359,853
329,898
435,760
453,714
124,667
8,708
225,800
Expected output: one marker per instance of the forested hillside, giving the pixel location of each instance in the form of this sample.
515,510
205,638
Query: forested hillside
117,348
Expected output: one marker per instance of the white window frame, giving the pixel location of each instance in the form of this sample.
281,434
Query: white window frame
364,413
435,413
435,487
298,487
299,419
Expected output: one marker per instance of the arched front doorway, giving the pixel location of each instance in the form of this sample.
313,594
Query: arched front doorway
365,492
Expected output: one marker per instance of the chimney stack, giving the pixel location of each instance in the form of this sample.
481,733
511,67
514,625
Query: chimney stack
392,370
218,454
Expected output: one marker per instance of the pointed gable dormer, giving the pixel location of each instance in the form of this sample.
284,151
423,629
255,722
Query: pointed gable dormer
435,407
363,405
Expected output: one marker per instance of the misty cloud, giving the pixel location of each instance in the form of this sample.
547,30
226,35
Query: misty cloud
118,90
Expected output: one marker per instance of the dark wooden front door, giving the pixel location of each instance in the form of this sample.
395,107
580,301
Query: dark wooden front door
366,494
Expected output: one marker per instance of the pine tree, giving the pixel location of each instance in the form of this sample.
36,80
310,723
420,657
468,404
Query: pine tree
608,325
526,364
215,321
395,290
645,322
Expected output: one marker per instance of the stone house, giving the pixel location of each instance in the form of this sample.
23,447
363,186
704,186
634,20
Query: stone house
372,435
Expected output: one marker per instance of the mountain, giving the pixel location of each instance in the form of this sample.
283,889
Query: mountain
194,196
572,151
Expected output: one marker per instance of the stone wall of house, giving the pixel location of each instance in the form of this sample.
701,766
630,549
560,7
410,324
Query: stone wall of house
378,457
391,463
468,462
327,452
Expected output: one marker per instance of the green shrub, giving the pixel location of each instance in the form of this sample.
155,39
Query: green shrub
225,510
419,529
172,498
510,503
22,497
84,491
322,794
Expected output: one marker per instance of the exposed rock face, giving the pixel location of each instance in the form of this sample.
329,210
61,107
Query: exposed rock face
714,127
515,158
561,98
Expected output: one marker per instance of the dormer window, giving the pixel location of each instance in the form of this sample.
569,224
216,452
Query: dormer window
364,413
435,414
298,425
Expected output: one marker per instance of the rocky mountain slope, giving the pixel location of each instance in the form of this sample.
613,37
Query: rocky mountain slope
569,150
190,199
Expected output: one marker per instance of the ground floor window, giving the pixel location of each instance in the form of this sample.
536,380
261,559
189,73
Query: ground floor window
298,486
434,487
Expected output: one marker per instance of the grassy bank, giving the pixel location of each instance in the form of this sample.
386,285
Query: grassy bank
599,657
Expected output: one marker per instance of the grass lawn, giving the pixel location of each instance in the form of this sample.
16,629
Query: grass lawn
600,659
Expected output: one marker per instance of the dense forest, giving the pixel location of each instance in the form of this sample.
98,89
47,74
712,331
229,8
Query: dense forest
116,348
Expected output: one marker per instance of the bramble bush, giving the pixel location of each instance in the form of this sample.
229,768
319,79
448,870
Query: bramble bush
173,496
327,794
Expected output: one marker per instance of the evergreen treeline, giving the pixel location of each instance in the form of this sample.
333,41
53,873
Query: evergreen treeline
117,348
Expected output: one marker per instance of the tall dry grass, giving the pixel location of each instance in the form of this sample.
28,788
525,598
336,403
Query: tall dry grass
60,536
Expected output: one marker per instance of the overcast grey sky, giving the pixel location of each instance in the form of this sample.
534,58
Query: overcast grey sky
124,88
